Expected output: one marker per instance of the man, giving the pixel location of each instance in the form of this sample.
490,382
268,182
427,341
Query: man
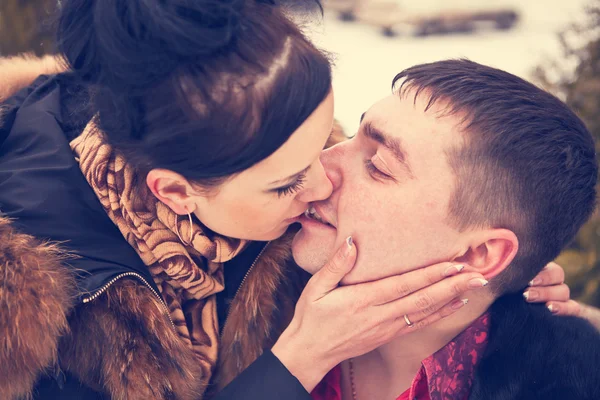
471,164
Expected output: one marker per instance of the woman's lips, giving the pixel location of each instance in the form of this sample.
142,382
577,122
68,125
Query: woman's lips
294,219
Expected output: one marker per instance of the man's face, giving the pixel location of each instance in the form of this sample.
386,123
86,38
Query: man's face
391,189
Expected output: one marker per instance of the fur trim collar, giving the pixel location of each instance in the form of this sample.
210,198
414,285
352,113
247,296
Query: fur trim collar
20,71
269,298
122,343
36,294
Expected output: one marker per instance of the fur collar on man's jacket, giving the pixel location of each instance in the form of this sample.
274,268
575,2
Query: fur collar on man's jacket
122,343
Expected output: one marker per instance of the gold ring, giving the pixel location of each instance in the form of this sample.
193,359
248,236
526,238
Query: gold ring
410,324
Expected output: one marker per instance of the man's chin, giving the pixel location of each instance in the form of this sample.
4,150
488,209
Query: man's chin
311,253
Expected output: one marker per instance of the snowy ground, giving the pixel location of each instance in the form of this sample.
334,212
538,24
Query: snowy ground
366,61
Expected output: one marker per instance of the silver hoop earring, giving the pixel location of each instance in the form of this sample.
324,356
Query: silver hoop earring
191,230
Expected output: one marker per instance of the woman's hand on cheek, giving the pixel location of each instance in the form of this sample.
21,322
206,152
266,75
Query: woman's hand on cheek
333,323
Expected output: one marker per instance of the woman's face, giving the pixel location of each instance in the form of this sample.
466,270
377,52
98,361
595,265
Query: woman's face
262,201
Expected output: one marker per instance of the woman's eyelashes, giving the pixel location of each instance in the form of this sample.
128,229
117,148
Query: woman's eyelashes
292,187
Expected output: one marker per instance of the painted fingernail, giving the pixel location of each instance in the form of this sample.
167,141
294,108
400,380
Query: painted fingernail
456,304
530,295
535,282
477,283
453,269
552,308
348,245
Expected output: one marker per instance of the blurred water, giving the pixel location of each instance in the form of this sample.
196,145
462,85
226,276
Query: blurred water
366,61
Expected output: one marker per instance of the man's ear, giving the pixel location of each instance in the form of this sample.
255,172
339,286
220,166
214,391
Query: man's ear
490,251
172,189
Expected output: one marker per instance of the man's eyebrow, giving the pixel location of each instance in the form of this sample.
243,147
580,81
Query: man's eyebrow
392,144
290,178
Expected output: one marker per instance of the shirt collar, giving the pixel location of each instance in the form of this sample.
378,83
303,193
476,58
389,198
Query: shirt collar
449,372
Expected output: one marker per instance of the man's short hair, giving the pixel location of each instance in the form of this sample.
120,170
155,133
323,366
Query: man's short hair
528,163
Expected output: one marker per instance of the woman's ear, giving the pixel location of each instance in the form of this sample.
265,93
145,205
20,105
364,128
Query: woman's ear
490,252
172,189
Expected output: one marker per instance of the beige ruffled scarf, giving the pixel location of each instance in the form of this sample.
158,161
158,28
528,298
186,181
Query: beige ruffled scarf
188,275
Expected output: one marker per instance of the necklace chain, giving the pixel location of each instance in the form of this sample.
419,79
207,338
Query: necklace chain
352,384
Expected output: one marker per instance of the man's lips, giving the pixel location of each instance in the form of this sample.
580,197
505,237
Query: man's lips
316,214
311,223
323,214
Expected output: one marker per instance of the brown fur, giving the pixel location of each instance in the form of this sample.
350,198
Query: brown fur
251,327
20,71
122,343
36,294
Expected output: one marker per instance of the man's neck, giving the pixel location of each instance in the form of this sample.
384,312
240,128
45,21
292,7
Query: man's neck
400,360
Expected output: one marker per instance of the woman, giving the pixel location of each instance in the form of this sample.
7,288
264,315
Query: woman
199,144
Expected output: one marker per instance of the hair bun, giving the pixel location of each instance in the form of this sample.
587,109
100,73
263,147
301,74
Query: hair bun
115,42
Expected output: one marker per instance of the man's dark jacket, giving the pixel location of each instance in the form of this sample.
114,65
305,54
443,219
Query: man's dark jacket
532,354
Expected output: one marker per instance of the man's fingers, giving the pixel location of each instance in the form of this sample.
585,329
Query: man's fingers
427,301
543,294
570,307
399,286
552,274
329,277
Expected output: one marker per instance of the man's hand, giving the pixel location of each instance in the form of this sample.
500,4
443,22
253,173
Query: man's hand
549,287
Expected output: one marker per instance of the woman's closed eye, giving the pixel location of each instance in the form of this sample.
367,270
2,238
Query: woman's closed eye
292,187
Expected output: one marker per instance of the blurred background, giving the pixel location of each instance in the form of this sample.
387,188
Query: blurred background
554,43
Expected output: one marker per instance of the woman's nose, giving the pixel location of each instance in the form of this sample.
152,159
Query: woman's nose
331,161
321,186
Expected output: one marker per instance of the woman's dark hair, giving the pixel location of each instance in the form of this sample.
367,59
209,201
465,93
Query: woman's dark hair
205,88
